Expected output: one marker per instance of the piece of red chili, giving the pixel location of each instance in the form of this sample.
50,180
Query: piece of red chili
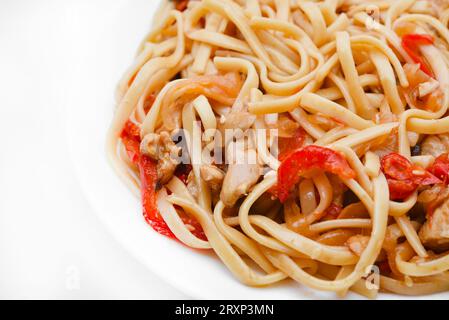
440,168
149,184
181,5
403,177
411,43
308,158
289,145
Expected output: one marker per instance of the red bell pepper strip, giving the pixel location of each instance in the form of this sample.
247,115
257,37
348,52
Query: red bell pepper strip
148,178
411,43
148,175
149,101
308,158
131,140
181,5
286,146
289,145
403,177
431,102
400,189
440,168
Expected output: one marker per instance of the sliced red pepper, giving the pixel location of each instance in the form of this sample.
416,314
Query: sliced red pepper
148,175
196,228
149,101
181,5
403,177
411,43
431,102
148,178
401,189
440,168
131,139
308,158
397,167
427,179
289,145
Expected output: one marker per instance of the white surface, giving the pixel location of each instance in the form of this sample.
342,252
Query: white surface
51,243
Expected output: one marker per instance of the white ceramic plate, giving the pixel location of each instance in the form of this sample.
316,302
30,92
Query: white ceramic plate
109,33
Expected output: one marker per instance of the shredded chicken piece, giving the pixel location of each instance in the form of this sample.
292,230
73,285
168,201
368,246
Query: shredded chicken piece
381,146
213,176
357,244
434,196
240,177
386,144
435,232
237,120
428,87
422,93
192,185
161,148
435,145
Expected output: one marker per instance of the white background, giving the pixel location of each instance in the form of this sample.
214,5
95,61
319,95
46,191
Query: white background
51,243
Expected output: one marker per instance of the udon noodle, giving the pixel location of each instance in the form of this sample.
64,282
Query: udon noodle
296,139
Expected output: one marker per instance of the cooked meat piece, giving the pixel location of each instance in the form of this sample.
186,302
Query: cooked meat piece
161,148
433,196
435,145
237,120
385,115
428,87
192,185
357,244
213,176
435,232
150,146
240,178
